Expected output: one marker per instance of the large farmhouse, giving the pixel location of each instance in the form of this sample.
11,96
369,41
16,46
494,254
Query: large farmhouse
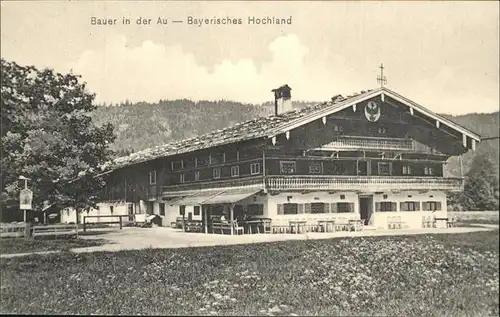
375,156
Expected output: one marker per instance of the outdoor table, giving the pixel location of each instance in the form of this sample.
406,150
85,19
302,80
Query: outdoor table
249,223
355,223
441,219
326,223
297,224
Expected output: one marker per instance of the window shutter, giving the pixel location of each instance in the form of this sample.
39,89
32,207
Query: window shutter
377,206
300,208
333,208
327,208
351,207
402,207
417,206
438,205
307,208
394,206
280,209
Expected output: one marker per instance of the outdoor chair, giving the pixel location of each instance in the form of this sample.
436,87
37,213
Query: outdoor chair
451,223
237,228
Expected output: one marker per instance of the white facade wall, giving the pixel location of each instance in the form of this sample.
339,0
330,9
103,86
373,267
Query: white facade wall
411,219
315,197
68,215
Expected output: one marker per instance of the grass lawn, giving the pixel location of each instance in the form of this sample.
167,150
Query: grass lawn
11,246
424,275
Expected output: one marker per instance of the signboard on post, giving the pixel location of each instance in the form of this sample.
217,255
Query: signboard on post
25,199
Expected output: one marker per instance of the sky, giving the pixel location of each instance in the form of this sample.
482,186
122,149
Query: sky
442,55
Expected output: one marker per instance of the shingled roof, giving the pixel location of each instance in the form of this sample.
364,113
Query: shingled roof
265,127
247,130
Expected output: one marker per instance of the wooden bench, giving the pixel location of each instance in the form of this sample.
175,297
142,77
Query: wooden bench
55,230
280,228
394,223
193,225
227,226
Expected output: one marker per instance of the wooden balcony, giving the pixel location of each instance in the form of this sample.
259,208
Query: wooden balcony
213,184
376,143
323,182
362,183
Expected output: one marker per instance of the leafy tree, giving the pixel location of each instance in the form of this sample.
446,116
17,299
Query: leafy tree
481,190
48,136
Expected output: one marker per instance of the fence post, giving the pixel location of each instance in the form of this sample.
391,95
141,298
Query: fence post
27,231
84,221
121,222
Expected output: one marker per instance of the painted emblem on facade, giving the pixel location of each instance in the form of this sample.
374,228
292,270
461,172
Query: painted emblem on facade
372,111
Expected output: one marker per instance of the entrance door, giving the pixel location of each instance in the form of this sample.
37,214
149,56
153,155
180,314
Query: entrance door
366,209
130,208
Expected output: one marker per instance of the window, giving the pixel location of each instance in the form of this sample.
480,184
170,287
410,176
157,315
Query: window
235,171
338,128
162,209
176,165
111,209
255,168
287,167
216,173
152,177
202,161
384,168
318,208
197,175
386,206
409,206
182,178
428,170
431,205
217,158
290,209
182,210
406,170
345,207
196,210
316,168
255,209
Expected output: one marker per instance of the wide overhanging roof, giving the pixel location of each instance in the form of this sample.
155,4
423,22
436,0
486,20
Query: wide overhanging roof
271,126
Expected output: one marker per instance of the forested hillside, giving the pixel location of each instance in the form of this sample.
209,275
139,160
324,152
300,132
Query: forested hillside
142,125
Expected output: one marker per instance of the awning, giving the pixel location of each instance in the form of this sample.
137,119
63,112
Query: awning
232,195
173,200
196,199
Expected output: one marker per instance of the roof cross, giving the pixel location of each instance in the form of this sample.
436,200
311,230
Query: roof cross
381,78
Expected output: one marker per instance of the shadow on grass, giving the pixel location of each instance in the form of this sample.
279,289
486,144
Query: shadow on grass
96,233
13,246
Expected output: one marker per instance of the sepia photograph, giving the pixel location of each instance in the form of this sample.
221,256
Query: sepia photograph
252,158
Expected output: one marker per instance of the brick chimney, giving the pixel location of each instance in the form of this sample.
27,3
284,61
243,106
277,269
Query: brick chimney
282,99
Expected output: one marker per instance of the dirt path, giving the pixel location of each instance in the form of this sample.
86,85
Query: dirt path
168,238
142,238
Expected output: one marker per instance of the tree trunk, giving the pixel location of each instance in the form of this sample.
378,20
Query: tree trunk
77,213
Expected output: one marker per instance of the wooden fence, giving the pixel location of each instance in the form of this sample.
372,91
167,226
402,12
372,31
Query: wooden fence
13,230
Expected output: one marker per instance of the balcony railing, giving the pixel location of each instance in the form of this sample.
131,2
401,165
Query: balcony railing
375,143
227,183
362,183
